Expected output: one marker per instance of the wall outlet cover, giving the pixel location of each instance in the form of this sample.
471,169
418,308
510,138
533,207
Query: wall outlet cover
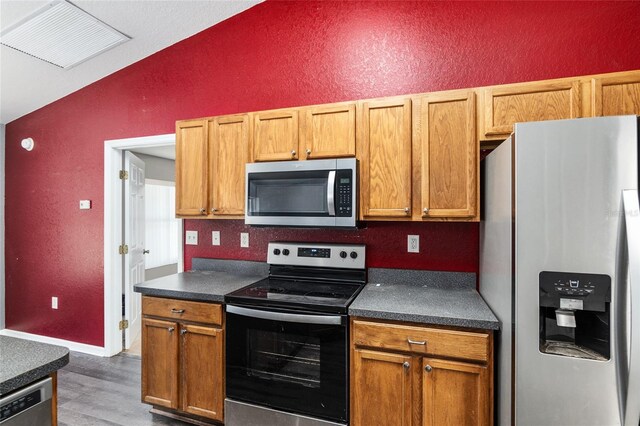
215,238
244,239
54,303
413,243
85,204
191,238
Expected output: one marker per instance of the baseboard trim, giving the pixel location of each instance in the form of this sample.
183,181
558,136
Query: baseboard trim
73,346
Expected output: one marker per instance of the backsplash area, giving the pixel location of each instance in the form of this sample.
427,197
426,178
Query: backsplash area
445,246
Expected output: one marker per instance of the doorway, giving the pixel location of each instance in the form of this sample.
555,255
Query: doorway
115,224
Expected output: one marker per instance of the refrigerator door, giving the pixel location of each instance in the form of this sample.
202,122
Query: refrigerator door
569,177
631,207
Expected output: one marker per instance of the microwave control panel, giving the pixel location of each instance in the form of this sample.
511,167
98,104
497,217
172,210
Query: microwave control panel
344,204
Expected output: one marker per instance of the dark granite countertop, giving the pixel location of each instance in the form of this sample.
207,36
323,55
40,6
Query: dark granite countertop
427,297
215,279
24,361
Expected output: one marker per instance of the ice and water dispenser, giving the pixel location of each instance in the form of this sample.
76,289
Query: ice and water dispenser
575,315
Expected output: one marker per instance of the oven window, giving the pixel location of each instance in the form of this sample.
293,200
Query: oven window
288,194
282,357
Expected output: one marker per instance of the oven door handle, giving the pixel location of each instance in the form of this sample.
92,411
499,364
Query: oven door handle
281,316
331,192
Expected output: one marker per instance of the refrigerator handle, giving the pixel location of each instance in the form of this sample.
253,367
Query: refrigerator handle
631,208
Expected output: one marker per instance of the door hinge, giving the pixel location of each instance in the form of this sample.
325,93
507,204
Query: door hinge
123,249
123,324
124,175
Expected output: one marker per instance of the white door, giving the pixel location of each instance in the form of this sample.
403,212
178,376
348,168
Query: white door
134,239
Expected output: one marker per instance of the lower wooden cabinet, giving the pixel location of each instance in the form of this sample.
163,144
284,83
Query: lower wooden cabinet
183,361
423,380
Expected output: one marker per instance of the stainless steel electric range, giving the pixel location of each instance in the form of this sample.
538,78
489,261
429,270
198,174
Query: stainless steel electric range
287,338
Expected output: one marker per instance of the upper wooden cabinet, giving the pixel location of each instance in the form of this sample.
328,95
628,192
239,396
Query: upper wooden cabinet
512,103
230,149
616,95
192,167
275,135
448,155
328,131
385,158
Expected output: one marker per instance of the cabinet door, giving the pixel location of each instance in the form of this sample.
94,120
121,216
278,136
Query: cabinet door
230,151
202,371
192,163
385,186
160,363
449,157
381,386
275,136
514,103
616,95
328,131
455,393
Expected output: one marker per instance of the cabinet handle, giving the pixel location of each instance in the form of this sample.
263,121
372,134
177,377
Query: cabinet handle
183,331
145,251
213,210
406,365
203,211
308,151
170,329
417,342
406,210
177,311
293,153
425,211
428,368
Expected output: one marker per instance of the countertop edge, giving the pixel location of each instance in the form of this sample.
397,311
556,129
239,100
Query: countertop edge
30,376
426,319
179,294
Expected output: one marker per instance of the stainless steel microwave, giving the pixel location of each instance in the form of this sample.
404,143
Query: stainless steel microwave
316,193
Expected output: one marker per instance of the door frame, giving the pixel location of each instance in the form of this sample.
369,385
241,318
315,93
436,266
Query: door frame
113,226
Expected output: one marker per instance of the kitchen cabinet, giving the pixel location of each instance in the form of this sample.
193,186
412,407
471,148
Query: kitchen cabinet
275,135
507,104
328,131
415,374
447,155
617,94
192,168
384,152
230,147
182,356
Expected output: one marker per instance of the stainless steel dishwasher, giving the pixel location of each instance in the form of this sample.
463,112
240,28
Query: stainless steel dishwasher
29,406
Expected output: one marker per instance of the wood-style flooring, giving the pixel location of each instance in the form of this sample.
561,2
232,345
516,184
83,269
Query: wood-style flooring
97,391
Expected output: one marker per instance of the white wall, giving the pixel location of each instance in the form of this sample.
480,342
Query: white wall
1,226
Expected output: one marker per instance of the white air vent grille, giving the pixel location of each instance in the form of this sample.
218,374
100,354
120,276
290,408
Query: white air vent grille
61,34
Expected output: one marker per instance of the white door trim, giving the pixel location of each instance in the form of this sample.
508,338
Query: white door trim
113,233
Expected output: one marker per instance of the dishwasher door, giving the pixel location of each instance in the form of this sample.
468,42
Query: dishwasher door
29,406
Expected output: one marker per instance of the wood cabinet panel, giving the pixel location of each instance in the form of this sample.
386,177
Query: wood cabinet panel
328,131
616,95
275,135
202,371
182,310
381,388
455,393
509,104
192,163
385,184
449,155
230,151
160,362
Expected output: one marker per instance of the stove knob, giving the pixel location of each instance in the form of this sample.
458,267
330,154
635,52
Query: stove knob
285,252
353,254
276,251
343,254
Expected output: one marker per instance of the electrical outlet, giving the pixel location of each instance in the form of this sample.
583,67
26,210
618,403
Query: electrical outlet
54,303
191,238
215,238
244,239
413,243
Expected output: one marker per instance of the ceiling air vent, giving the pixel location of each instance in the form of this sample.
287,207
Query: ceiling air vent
61,34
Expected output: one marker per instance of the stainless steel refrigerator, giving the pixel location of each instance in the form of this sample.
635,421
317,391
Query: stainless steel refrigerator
560,267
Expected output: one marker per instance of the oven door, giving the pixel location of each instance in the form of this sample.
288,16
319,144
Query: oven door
288,360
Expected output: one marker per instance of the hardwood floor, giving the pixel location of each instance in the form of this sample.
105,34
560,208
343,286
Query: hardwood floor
96,391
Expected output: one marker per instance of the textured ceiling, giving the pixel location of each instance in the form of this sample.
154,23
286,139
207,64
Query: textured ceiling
27,84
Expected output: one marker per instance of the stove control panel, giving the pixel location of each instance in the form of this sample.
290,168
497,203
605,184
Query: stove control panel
350,256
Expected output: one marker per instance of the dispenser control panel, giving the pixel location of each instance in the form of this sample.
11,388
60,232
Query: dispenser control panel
592,289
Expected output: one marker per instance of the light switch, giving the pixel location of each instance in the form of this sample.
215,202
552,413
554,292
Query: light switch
85,204
215,238
191,238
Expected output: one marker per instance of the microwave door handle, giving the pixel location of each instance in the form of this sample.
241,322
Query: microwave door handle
631,207
331,192
281,316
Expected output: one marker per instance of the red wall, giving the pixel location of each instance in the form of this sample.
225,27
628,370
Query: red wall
276,54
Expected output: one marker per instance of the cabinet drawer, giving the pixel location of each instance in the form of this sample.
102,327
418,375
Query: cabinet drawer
183,310
422,340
